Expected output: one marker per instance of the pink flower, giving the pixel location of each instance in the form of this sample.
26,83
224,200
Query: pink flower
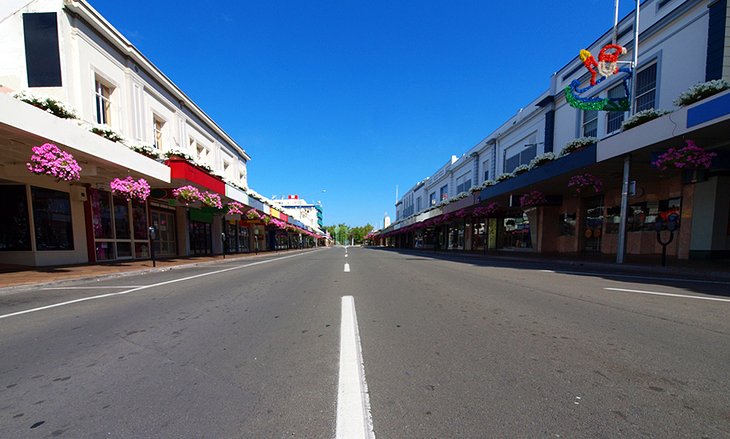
532,199
689,156
234,207
211,199
187,194
131,189
48,159
582,181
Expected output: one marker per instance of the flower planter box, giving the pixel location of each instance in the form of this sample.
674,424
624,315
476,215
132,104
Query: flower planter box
564,165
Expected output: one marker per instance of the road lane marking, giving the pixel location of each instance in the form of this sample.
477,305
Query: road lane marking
120,293
93,288
347,267
655,293
354,420
345,254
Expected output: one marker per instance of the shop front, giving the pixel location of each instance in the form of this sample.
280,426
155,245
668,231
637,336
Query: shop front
119,227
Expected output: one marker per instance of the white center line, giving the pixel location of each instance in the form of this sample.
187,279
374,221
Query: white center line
668,294
345,254
102,296
353,404
347,267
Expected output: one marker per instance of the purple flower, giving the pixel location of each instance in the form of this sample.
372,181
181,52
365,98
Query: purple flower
187,194
48,159
532,199
689,156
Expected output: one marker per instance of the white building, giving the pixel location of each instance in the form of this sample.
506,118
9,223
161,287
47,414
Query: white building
681,43
66,50
309,214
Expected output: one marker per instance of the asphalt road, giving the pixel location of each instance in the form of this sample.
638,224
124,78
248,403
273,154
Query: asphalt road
452,347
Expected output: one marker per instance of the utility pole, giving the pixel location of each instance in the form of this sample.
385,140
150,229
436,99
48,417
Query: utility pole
621,250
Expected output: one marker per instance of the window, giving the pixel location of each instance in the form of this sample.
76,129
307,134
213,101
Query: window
157,125
590,123
444,192
418,204
201,152
103,95
42,59
14,224
646,89
523,157
432,199
485,167
614,118
463,183
52,217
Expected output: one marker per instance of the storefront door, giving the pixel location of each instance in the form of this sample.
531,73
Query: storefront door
164,223
201,238
593,224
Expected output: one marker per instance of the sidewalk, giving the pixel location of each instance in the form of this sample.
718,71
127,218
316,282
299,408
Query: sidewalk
16,276
714,269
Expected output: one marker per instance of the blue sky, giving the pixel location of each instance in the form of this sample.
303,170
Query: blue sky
340,101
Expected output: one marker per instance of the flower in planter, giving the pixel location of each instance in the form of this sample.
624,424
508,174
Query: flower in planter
504,177
700,91
211,199
107,133
642,117
145,150
577,144
187,194
541,159
583,181
689,156
131,189
178,153
48,104
520,169
235,208
48,159
532,199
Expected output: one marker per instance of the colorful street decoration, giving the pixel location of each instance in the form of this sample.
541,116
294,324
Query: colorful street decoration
605,67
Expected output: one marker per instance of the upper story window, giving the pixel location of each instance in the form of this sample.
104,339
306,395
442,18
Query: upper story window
485,168
646,89
614,118
463,183
103,95
157,125
432,199
590,123
524,157
444,192
418,204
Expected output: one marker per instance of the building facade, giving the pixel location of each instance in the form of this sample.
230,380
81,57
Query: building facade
126,118
473,203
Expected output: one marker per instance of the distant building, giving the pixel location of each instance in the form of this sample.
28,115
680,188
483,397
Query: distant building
308,213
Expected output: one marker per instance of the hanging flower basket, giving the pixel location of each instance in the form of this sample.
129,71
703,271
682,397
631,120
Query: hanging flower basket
131,189
211,199
235,208
187,194
532,199
489,210
253,215
48,159
689,156
582,182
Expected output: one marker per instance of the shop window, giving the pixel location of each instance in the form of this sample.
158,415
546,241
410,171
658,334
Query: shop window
139,220
14,224
516,232
101,213
613,219
52,218
121,218
567,224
